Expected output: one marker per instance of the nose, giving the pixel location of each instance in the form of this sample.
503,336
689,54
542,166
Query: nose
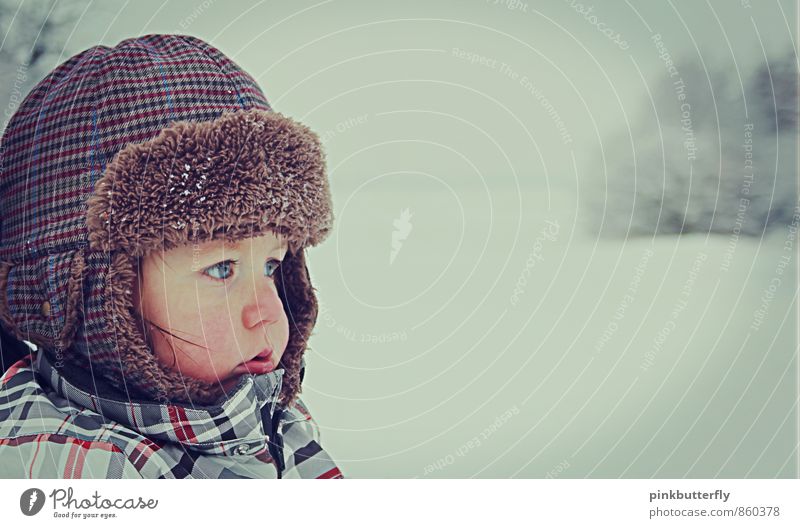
263,304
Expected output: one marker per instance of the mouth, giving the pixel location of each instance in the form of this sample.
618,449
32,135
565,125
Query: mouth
260,364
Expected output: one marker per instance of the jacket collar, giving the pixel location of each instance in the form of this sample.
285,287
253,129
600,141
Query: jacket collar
235,420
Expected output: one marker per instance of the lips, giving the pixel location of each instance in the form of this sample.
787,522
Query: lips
262,363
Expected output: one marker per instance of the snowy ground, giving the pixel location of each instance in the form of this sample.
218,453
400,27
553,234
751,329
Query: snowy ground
637,359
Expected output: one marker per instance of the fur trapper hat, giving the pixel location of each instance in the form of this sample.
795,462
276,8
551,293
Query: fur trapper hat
88,163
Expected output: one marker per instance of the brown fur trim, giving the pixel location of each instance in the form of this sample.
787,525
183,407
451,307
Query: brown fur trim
241,175
300,305
233,177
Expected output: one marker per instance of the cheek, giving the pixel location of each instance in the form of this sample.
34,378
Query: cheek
207,325
216,348
215,329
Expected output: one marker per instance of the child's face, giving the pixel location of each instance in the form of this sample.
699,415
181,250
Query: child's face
220,302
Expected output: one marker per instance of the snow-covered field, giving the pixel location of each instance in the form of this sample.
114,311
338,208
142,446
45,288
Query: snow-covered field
501,343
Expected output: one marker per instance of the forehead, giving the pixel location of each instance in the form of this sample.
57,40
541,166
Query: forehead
178,257
266,242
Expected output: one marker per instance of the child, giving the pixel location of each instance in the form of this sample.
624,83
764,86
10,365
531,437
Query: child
155,215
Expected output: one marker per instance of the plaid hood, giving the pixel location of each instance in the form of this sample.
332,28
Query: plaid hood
158,142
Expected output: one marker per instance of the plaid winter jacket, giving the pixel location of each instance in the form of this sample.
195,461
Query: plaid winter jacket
72,425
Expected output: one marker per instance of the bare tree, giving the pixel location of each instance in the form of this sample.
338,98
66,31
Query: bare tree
721,159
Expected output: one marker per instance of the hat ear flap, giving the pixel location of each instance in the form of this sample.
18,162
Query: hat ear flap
301,307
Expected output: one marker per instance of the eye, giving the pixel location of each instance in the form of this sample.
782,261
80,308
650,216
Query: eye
271,266
221,270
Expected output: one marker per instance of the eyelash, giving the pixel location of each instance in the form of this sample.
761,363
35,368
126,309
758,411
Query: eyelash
234,263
